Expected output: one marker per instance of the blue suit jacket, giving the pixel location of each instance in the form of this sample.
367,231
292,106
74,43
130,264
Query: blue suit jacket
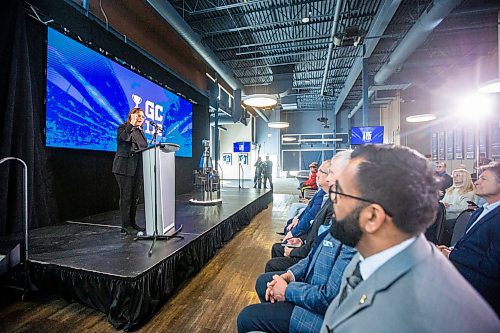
317,282
477,256
308,214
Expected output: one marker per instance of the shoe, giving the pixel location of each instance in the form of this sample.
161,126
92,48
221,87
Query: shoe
138,227
280,233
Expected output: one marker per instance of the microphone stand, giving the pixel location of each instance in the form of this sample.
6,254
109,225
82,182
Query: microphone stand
156,236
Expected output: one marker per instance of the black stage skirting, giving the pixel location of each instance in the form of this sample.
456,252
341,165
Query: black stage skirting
96,266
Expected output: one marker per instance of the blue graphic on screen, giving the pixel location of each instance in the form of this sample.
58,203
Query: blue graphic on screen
241,147
89,96
362,135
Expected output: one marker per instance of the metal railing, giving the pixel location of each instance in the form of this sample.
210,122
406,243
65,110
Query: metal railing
25,213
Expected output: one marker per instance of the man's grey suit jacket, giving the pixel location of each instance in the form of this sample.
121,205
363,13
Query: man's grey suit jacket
418,290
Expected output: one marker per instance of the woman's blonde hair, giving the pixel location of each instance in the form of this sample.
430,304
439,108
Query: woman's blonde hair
468,185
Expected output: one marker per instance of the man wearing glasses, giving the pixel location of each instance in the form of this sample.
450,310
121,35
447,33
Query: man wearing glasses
398,282
296,300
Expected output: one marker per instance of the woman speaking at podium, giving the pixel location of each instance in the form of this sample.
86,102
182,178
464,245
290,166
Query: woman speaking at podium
127,167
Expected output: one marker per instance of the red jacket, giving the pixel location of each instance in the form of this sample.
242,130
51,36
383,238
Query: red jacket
312,180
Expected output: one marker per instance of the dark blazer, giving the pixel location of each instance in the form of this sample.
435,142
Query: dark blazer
418,290
308,214
129,140
477,256
323,217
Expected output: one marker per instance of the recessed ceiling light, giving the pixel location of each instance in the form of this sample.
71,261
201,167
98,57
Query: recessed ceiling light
420,118
278,124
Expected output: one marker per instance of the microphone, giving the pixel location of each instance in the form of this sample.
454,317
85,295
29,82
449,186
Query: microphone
157,127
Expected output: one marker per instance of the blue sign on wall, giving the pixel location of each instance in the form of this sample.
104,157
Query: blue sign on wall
362,135
241,147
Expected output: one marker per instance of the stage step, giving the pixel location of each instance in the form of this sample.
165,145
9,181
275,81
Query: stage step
10,257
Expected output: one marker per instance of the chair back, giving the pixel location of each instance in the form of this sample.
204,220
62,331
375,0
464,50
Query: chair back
460,225
435,231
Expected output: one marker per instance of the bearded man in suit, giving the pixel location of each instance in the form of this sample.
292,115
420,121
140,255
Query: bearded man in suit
398,282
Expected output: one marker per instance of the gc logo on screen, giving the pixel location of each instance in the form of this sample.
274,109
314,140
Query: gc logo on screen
152,111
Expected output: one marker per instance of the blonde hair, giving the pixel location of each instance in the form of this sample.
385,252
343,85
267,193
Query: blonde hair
468,185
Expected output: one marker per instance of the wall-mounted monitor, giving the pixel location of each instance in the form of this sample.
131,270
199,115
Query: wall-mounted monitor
241,147
371,134
89,96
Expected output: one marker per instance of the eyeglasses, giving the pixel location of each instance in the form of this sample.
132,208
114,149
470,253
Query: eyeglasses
141,116
337,190
325,173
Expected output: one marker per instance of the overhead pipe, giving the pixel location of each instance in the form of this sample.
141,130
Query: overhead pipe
168,12
336,16
378,27
413,39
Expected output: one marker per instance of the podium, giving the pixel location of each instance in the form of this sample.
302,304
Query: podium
159,193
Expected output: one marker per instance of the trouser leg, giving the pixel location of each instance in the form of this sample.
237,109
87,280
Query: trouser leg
135,195
277,250
266,317
125,184
280,264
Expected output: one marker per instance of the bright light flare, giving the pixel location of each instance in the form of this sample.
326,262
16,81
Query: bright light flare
475,107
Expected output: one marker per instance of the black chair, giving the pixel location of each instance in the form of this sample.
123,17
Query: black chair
435,231
460,225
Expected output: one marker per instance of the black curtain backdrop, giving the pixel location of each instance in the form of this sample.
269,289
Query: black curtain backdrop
64,184
21,134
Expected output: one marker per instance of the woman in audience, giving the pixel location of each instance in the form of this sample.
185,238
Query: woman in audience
456,197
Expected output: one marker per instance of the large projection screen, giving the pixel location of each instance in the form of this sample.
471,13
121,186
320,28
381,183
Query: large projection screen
89,95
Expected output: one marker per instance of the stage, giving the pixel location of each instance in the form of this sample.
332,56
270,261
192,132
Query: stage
89,261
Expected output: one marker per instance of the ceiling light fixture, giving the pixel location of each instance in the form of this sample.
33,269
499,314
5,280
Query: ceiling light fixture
278,124
321,140
289,139
420,118
490,87
260,100
307,18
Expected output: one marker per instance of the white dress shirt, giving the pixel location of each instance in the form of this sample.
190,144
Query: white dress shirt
369,265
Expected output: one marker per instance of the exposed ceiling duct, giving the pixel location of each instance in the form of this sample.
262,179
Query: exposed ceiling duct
380,23
281,85
338,6
414,38
165,9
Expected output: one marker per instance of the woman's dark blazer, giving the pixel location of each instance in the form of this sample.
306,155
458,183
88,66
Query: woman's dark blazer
129,141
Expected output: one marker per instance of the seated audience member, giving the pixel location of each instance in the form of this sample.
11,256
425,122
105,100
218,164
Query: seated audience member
399,282
456,197
311,182
284,257
296,300
477,254
300,224
297,207
445,180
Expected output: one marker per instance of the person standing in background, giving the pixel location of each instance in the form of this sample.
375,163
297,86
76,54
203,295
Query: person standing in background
445,180
257,178
268,172
127,167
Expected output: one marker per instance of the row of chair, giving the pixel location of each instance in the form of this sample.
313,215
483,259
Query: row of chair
438,232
